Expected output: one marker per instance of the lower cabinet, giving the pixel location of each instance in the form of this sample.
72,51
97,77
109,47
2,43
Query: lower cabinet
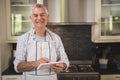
12,77
110,77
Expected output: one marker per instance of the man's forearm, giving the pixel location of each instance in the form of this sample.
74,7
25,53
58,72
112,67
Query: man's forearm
26,66
31,65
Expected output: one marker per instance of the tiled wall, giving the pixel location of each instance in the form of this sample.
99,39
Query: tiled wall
78,44
76,40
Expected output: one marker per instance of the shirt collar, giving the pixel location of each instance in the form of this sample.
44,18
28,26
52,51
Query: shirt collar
48,34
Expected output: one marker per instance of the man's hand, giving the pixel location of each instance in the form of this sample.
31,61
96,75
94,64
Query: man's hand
58,67
41,60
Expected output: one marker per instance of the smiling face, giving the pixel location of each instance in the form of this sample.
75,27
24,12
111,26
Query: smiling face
39,18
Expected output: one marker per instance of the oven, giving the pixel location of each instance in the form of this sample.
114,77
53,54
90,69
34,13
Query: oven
79,70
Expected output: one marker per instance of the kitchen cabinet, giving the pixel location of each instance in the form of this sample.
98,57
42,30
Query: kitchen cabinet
110,77
12,77
17,14
107,27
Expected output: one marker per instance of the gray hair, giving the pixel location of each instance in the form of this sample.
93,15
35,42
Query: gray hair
37,5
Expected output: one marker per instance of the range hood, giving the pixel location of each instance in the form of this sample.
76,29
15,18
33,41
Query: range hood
65,12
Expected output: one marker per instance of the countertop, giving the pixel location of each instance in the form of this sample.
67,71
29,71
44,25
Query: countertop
10,71
111,69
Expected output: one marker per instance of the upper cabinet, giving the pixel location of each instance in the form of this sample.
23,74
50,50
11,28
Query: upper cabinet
18,17
107,28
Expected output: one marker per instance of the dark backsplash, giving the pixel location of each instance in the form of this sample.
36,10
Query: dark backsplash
76,40
78,45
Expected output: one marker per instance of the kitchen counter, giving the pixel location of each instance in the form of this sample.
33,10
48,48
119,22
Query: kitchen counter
10,71
108,71
111,69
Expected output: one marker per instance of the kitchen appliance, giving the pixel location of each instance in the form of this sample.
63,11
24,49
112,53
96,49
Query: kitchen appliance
63,12
79,70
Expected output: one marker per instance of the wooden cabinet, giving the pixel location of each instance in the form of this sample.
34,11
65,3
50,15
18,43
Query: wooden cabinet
107,28
18,21
110,77
12,77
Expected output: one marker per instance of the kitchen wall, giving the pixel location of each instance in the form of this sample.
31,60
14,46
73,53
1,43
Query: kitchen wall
78,44
76,40
5,48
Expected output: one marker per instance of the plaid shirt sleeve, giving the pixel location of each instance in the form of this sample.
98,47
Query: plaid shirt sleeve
20,51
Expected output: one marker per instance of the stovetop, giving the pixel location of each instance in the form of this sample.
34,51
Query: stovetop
80,67
79,70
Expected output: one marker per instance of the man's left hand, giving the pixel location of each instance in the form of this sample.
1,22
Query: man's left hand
58,67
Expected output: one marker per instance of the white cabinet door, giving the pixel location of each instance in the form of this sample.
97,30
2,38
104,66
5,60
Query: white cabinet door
12,77
17,18
107,27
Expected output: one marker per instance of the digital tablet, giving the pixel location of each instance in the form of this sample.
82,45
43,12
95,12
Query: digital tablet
47,65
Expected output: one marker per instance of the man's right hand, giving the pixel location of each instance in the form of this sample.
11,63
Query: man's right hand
41,60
